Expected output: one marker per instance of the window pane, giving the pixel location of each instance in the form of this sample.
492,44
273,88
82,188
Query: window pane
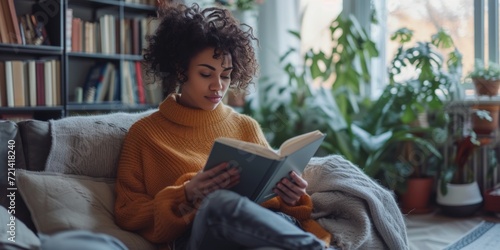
425,17
316,18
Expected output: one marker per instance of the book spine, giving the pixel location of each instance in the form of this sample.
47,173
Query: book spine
4,31
32,82
3,85
16,36
48,83
19,83
40,83
9,84
262,194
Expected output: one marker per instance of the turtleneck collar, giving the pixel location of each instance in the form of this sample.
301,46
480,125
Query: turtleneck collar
190,117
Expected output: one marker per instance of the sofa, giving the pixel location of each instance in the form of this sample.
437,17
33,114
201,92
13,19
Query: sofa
67,194
65,171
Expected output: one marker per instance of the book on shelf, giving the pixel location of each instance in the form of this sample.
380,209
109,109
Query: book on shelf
40,82
31,76
4,32
69,28
261,168
3,85
104,83
18,83
13,23
140,83
9,84
47,66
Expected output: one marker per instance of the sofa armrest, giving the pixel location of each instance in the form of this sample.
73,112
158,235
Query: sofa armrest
37,141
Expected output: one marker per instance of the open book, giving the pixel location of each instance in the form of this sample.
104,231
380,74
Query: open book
261,168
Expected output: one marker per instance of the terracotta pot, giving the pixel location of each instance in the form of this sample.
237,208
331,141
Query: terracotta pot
483,126
492,200
486,87
416,199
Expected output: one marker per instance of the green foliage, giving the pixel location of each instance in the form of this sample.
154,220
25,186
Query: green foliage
490,72
372,134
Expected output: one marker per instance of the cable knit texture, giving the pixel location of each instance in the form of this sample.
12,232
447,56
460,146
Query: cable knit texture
358,212
165,150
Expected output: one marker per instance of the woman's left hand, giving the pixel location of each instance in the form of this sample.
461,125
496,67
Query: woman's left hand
291,191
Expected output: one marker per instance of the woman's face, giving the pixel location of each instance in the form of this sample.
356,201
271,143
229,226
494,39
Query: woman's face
208,80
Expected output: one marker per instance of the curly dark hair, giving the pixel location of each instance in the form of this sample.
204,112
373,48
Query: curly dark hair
185,31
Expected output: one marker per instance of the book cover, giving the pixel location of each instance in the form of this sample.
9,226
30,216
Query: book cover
262,168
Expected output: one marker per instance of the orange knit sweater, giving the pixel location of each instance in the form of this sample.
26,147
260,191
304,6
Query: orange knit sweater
163,151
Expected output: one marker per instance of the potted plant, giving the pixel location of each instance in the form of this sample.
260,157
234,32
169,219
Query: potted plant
458,192
486,79
420,101
485,118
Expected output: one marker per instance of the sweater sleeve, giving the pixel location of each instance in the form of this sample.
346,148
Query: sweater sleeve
161,218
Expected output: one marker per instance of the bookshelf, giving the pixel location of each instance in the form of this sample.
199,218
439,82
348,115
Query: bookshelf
108,33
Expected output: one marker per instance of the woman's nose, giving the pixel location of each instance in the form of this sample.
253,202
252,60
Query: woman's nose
216,84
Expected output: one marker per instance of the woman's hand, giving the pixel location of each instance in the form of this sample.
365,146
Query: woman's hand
205,182
291,191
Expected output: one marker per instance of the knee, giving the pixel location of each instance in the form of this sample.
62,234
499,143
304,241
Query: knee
220,201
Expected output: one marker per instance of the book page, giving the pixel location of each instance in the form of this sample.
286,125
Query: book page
250,147
295,143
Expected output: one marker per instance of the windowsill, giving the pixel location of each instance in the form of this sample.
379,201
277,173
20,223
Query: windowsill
472,99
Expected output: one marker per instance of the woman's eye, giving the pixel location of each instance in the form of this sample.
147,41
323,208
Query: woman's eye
205,75
225,77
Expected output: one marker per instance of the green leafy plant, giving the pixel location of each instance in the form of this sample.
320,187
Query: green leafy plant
355,126
490,72
240,5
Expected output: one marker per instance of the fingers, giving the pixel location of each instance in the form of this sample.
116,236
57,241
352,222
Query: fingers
219,177
291,191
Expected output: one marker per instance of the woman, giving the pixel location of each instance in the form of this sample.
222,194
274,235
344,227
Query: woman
162,193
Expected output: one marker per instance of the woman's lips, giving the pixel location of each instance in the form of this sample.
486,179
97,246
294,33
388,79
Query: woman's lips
214,99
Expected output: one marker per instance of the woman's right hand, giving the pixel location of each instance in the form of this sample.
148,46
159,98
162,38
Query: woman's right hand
206,182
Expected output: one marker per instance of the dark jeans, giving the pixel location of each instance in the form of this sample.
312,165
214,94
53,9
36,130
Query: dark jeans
226,220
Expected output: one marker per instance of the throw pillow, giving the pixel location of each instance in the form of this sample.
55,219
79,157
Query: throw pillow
14,234
89,145
60,202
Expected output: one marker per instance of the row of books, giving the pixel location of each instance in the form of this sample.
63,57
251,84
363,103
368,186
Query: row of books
108,35
104,83
24,29
30,83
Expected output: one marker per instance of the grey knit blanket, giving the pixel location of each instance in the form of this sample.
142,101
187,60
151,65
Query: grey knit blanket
357,211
